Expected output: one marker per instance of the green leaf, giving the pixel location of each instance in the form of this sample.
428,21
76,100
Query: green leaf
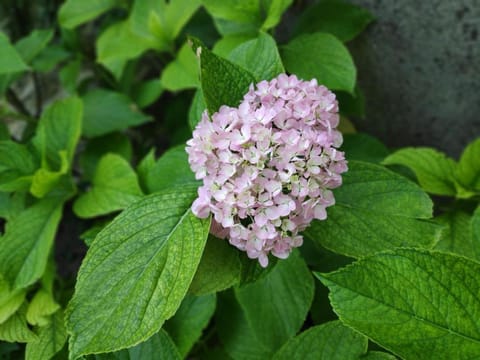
114,187
147,92
116,143
364,147
321,56
468,169
171,169
458,236
223,82
416,303
181,73
163,242
44,180
197,107
159,346
475,229
108,111
51,339
75,12
275,10
17,166
33,44
378,355
279,301
69,75
375,210
41,307
10,61
330,341
434,170
58,130
191,318
15,329
259,56
9,301
235,332
351,104
49,57
219,268
339,18
12,204
224,46
27,242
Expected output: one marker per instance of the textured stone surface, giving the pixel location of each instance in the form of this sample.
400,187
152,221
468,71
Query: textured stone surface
419,67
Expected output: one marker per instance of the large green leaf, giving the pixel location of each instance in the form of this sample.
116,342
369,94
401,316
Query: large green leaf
219,268
279,301
458,235
27,242
171,169
193,315
259,56
136,273
114,187
434,170
17,166
181,73
107,111
468,169
375,210
76,12
10,61
321,56
330,341
339,18
417,303
51,339
223,82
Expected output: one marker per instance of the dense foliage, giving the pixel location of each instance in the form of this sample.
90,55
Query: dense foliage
98,99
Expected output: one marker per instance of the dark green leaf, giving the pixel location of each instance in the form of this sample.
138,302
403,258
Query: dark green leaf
364,147
468,169
30,46
10,61
339,18
163,242
375,210
416,303
330,341
321,56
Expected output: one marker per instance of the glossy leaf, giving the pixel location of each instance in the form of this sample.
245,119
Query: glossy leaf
416,303
163,243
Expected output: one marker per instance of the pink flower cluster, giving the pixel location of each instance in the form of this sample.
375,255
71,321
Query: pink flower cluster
268,166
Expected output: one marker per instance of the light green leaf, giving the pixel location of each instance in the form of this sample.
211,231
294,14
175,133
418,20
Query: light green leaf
330,341
191,318
219,268
171,169
44,180
197,107
181,73
434,170
279,301
363,147
321,56
147,92
259,56
234,331
375,210
58,130
274,10
41,307
108,111
9,301
114,187
17,166
468,169
15,329
163,242
224,46
51,339
10,61
33,44
12,204
416,303
27,242
457,236
76,12
223,83
339,18
235,16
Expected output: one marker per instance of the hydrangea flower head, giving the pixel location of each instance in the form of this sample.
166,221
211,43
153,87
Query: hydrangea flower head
269,165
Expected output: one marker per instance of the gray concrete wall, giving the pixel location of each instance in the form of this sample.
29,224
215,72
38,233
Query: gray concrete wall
419,67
